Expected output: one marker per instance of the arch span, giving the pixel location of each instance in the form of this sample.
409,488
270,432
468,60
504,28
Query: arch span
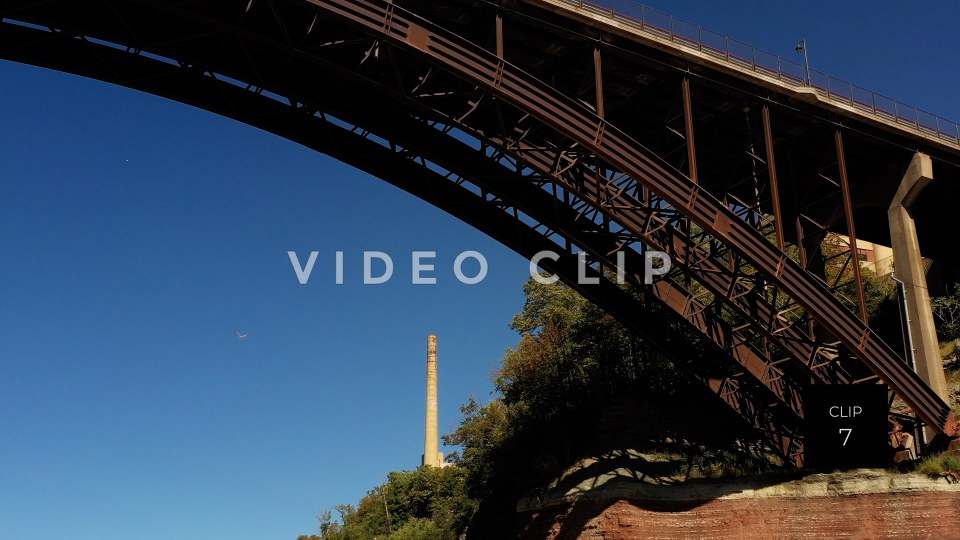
396,95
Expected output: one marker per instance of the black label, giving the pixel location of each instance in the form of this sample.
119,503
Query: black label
846,426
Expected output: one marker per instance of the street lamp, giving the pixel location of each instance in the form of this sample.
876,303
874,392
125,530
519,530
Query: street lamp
802,48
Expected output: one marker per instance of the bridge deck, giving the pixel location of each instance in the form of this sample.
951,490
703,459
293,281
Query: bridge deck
693,42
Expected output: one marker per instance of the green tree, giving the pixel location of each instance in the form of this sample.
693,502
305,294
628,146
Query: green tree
421,529
947,311
571,353
429,503
481,434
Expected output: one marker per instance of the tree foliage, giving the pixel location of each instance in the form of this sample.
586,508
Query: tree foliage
571,353
947,311
426,504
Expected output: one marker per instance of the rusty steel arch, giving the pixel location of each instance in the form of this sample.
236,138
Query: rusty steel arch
545,170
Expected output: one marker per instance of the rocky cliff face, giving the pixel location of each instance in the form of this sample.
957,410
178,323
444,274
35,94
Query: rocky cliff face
859,504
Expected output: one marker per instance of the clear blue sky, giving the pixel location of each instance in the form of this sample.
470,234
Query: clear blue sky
137,235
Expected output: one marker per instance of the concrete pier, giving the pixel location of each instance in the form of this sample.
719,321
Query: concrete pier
908,268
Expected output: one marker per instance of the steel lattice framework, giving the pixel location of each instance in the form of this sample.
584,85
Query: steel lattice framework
410,94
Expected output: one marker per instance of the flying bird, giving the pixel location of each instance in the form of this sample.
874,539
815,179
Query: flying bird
240,336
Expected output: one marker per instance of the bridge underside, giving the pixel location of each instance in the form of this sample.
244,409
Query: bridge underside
548,134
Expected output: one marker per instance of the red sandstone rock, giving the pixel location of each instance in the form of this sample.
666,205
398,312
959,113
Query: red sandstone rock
875,515
907,511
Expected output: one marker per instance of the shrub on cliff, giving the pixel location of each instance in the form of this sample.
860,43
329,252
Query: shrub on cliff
936,465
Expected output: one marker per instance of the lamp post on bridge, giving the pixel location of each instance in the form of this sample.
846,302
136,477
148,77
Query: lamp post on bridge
802,48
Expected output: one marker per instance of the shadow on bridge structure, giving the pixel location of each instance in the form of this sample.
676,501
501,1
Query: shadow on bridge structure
575,127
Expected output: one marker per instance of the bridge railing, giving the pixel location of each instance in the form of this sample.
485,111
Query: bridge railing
725,49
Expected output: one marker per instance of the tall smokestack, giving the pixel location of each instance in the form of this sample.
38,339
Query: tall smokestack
431,443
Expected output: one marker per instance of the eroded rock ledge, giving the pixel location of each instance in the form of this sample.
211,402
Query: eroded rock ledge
855,504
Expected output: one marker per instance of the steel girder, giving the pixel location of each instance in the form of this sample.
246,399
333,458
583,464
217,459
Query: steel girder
582,162
589,137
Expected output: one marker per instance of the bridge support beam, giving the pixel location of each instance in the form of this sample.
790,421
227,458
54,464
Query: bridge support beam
499,35
851,230
908,268
772,176
598,79
688,130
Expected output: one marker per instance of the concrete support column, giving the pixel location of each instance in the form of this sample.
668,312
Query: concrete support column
431,443
908,268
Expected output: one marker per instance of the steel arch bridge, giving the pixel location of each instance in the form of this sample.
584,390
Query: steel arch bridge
558,125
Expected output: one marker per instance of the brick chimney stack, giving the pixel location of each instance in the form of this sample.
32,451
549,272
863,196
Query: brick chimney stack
431,443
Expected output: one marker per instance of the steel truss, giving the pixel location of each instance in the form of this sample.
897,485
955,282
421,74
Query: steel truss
397,96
